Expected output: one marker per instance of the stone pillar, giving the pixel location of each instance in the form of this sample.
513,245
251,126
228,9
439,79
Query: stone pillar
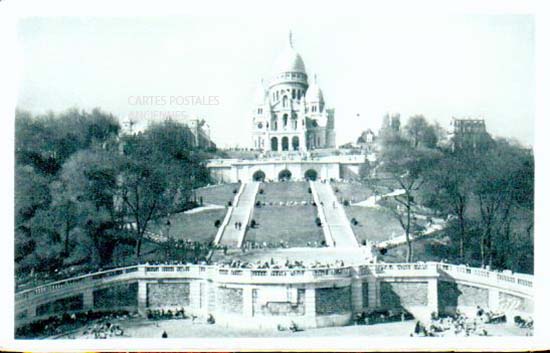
142,297
309,304
373,292
356,295
432,296
247,301
494,301
88,299
194,296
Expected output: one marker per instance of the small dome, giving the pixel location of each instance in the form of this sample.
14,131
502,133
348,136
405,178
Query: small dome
314,93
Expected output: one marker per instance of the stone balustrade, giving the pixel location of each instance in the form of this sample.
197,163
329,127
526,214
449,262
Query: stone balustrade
370,286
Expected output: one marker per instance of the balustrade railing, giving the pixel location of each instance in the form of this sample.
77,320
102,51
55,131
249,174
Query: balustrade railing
482,276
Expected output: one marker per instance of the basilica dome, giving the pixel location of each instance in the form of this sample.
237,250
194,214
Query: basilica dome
289,60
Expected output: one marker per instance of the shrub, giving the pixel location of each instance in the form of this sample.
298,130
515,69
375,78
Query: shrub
354,221
235,191
261,191
229,203
309,190
346,203
253,223
258,203
217,223
318,221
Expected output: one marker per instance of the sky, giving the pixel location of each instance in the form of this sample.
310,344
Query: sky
439,66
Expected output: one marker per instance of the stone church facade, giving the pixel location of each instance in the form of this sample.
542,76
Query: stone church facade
290,113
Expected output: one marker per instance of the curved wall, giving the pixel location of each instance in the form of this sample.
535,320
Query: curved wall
268,297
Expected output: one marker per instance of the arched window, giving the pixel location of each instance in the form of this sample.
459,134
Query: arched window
285,101
285,120
284,143
295,143
274,144
311,174
293,93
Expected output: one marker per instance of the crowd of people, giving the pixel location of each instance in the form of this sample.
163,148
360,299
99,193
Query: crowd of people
381,316
102,330
255,245
100,324
460,324
276,265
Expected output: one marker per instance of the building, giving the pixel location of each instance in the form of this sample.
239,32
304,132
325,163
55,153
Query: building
468,134
290,113
198,134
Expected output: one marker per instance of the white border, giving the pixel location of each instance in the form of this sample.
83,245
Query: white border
10,10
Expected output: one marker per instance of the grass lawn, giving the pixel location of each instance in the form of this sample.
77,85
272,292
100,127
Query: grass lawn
196,226
293,224
218,194
375,224
354,192
284,191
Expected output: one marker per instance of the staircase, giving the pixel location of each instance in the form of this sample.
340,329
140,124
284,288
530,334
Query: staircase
337,223
241,211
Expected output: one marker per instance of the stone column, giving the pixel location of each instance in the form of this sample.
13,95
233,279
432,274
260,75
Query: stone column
194,296
142,297
373,292
494,301
356,295
309,304
432,296
247,301
88,299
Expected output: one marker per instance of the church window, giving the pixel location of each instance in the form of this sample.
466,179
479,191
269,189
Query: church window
293,94
285,101
285,119
299,94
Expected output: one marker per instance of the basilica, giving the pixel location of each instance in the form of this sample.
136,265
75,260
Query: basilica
289,112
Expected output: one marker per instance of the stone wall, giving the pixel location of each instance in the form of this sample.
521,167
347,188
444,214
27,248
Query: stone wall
229,300
292,305
117,295
403,294
452,294
73,303
167,294
514,302
329,301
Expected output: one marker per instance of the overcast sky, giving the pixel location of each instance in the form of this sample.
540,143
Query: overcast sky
462,66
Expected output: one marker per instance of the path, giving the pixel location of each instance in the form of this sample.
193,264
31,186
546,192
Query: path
337,224
240,212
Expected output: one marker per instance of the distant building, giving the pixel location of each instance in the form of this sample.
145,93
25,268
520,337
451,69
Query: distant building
468,134
366,139
198,136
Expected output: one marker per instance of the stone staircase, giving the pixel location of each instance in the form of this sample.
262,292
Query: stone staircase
240,212
337,223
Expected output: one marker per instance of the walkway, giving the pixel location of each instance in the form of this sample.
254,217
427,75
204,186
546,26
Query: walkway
240,212
338,226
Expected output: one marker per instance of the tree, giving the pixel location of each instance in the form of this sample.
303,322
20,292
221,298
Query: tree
85,202
449,188
499,173
408,167
421,132
142,191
